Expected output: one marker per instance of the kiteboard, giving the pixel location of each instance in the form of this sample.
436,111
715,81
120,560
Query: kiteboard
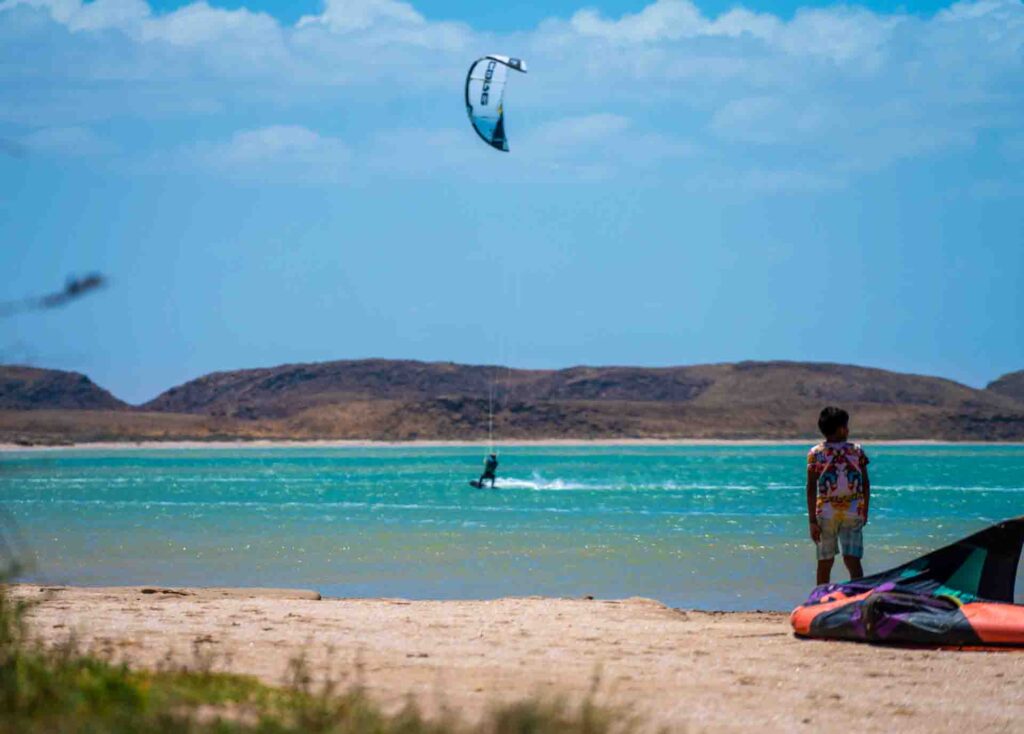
477,484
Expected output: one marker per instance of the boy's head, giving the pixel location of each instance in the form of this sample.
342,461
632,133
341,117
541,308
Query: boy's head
834,423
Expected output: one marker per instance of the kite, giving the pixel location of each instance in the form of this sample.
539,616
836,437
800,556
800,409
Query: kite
485,94
74,289
957,596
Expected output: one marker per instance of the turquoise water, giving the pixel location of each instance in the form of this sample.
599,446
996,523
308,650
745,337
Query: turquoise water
719,527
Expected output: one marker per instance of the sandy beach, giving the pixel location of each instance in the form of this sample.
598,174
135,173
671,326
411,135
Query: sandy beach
328,444
539,443
684,670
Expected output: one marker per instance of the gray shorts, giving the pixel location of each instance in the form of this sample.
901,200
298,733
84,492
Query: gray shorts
835,532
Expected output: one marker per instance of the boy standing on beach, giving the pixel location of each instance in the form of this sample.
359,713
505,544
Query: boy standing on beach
838,492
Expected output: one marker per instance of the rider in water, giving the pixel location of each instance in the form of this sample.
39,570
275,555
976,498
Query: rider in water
490,466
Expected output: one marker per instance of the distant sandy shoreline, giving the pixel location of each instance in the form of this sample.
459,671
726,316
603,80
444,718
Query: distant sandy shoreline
503,445
676,670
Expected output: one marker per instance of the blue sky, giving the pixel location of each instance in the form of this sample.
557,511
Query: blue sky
272,182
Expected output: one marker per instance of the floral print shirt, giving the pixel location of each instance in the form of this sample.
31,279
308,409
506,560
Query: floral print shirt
839,468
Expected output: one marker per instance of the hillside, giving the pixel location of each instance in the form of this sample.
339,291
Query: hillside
31,388
1011,385
406,400
289,390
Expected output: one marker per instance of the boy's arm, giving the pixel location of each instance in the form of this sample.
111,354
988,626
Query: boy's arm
867,493
812,503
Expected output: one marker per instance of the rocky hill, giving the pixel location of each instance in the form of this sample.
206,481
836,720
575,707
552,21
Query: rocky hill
31,388
288,390
1011,385
404,400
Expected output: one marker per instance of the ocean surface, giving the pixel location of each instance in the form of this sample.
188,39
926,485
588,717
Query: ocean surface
709,527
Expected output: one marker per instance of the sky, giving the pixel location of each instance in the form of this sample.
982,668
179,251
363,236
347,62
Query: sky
267,182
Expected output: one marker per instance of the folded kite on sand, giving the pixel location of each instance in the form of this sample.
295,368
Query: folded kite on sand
960,595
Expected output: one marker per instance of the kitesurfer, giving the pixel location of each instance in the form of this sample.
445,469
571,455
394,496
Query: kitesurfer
838,493
490,467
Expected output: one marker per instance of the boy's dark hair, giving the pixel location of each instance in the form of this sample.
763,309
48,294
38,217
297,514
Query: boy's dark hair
831,419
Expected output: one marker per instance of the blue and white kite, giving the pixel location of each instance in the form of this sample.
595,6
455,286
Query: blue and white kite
485,92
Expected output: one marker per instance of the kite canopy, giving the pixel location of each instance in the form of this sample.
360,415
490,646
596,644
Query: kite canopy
485,93
958,595
74,288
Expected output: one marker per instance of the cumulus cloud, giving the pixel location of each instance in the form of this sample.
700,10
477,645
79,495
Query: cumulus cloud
277,152
586,130
389,22
67,141
357,15
199,23
663,19
844,88
78,15
839,33
672,20
763,119
189,25
595,147
599,146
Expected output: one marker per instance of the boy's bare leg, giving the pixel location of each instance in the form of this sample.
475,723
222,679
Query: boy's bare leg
825,571
854,567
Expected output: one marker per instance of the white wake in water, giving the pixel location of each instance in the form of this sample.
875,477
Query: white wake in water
539,483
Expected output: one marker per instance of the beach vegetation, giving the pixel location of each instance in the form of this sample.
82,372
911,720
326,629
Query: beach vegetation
64,689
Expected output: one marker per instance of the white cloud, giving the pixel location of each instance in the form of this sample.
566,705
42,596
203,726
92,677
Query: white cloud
594,147
602,145
971,10
199,23
386,22
585,130
358,15
843,89
663,19
841,34
671,20
278,152
915,139
758,120
69,141
88,16
838,33
587,147
188,25
125,39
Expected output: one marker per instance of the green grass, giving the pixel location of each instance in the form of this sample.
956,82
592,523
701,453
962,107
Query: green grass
60,690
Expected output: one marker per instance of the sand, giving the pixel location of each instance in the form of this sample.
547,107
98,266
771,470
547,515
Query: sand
506,445
685,670
368,444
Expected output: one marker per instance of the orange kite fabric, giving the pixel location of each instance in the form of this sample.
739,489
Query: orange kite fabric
960,595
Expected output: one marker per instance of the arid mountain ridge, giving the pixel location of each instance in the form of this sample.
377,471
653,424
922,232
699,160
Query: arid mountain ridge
405,400
32,388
